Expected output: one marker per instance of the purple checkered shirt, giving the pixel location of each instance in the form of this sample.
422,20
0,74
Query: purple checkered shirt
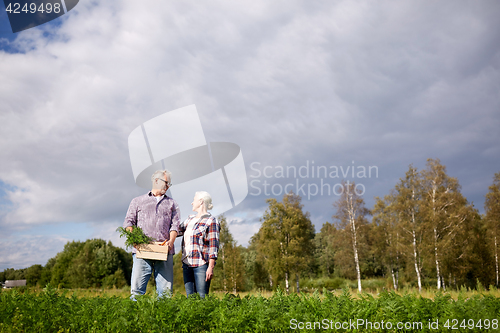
156,219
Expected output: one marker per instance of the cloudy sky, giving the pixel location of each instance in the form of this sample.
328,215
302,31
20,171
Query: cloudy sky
339,84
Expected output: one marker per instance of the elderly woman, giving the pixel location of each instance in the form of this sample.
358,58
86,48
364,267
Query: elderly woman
200,244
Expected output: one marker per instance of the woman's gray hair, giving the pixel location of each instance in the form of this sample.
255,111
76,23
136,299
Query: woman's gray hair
207,199
161,174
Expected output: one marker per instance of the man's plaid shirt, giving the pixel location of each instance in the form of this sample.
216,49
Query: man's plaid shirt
204,240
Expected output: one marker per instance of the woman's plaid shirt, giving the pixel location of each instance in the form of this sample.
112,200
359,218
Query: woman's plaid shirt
204,240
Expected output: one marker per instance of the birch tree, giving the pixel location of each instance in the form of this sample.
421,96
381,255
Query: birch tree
286,239
444,210
386,219
492,209
350,215
407,203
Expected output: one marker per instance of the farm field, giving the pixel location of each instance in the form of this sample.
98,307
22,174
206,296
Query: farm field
52,310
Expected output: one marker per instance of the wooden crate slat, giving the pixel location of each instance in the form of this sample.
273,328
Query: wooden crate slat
152,251
151,255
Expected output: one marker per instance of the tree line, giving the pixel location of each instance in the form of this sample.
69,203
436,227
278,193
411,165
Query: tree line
424,233
93,263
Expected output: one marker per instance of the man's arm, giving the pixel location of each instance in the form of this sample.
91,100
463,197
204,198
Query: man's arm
175,224
173,236
175,216
131,217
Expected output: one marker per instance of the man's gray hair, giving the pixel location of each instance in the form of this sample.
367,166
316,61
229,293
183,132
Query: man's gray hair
161,174
207,199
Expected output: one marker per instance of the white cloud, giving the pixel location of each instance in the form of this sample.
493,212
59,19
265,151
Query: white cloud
26,251
384,84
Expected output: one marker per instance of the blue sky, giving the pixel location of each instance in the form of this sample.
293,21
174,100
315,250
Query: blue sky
384,84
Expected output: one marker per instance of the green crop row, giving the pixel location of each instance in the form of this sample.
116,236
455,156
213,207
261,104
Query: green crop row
50,311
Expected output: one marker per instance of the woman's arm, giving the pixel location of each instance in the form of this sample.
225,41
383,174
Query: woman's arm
210,270
213,246
182,227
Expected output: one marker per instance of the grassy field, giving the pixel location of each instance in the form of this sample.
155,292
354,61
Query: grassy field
426,293
53,310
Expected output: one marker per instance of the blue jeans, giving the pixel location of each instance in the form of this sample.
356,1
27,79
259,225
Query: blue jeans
142,270
194,280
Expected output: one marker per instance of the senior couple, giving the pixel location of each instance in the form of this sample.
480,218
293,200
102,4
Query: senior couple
159,217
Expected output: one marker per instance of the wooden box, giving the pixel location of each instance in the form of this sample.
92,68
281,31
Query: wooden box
152,251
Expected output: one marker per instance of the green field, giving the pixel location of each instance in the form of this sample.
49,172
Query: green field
52,310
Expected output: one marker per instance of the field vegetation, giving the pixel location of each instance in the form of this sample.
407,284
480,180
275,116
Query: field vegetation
52,310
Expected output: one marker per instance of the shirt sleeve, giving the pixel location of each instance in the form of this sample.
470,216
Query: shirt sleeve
131,217
176,218
213,238
182,227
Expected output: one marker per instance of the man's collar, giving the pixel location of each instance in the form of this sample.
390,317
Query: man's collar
150,193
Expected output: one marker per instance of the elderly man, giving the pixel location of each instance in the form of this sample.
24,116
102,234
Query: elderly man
158,216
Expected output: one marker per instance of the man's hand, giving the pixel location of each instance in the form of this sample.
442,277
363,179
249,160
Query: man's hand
170,242
129,229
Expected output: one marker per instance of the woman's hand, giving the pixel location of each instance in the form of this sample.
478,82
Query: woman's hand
210,270
210,273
